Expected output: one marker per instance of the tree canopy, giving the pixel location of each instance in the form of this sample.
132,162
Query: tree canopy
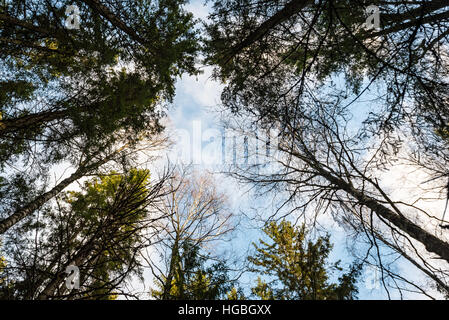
70,95
349,103
352,97
299,267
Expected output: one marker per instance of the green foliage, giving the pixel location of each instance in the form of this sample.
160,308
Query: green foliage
99,197
6,283
15,90
69,93
299,267
235,294
98,228
443,132
262,290
195,277
117,203
327,47
3,265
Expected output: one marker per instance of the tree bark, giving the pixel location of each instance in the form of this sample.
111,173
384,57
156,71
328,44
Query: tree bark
29,121
173,261
430,242
291,8
29,208
413,23
112,18
29,26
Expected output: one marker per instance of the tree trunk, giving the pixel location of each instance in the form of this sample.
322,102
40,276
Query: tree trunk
410,24
430,242
29,208
78,260
291,8
112,18
29,26
173,261
29,121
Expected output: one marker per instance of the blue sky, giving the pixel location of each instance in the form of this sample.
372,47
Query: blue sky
196,99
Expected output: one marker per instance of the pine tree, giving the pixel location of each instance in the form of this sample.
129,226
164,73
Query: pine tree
100,229
3,265
299,267
306,69
195,277
235,294
70,93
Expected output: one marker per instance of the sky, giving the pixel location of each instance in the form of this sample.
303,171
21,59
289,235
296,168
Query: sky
192,116
197,97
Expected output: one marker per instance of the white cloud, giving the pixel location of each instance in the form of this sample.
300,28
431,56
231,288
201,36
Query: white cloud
202,88
198,8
